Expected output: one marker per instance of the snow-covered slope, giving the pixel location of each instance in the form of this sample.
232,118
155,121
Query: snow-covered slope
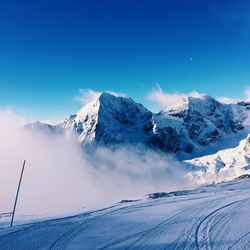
223,166
215,217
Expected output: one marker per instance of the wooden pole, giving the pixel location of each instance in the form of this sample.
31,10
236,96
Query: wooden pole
17,193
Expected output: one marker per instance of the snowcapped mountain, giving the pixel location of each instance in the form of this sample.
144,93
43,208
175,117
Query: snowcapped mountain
111,120
223,166
43,126
205,121
189,127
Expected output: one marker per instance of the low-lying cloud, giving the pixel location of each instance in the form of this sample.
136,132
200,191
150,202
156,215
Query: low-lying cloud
227,100
60,176
88,95
165,100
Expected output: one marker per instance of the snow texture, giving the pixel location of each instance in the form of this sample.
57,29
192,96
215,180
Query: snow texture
212,217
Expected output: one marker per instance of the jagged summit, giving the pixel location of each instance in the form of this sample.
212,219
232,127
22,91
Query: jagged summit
110,103
110,120
202,104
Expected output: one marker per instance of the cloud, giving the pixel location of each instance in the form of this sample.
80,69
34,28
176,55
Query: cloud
53,181
13,119
117,94
51,122
165,100
247,93
88,95
227,100
61,177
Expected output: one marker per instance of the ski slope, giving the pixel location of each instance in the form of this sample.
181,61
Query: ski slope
213,217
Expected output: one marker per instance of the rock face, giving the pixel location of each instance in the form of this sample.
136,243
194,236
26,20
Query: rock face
196,123
205,120
190,125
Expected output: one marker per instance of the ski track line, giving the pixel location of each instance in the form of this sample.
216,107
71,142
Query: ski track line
5,239
188,228
223,222
239,240
67,236
225,219
31,226
142,233
164,222
180,240
70,234
207,217
126,238
213,222
183,239
146,232
158,227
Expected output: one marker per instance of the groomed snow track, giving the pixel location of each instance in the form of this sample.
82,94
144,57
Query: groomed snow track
216,217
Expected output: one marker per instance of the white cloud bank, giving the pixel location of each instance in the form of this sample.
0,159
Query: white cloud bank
61,177
227,100
88,95
247,93
165,100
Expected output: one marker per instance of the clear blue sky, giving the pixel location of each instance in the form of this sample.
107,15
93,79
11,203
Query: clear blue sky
50,49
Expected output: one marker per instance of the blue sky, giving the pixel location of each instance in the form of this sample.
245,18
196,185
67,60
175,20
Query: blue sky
51,49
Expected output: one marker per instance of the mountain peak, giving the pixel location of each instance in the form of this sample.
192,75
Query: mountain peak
110,119
200,104
107,95
105,98
206,99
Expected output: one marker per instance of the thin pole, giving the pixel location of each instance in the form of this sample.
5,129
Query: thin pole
17,193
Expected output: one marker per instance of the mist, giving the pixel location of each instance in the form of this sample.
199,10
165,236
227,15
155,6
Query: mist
61,177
